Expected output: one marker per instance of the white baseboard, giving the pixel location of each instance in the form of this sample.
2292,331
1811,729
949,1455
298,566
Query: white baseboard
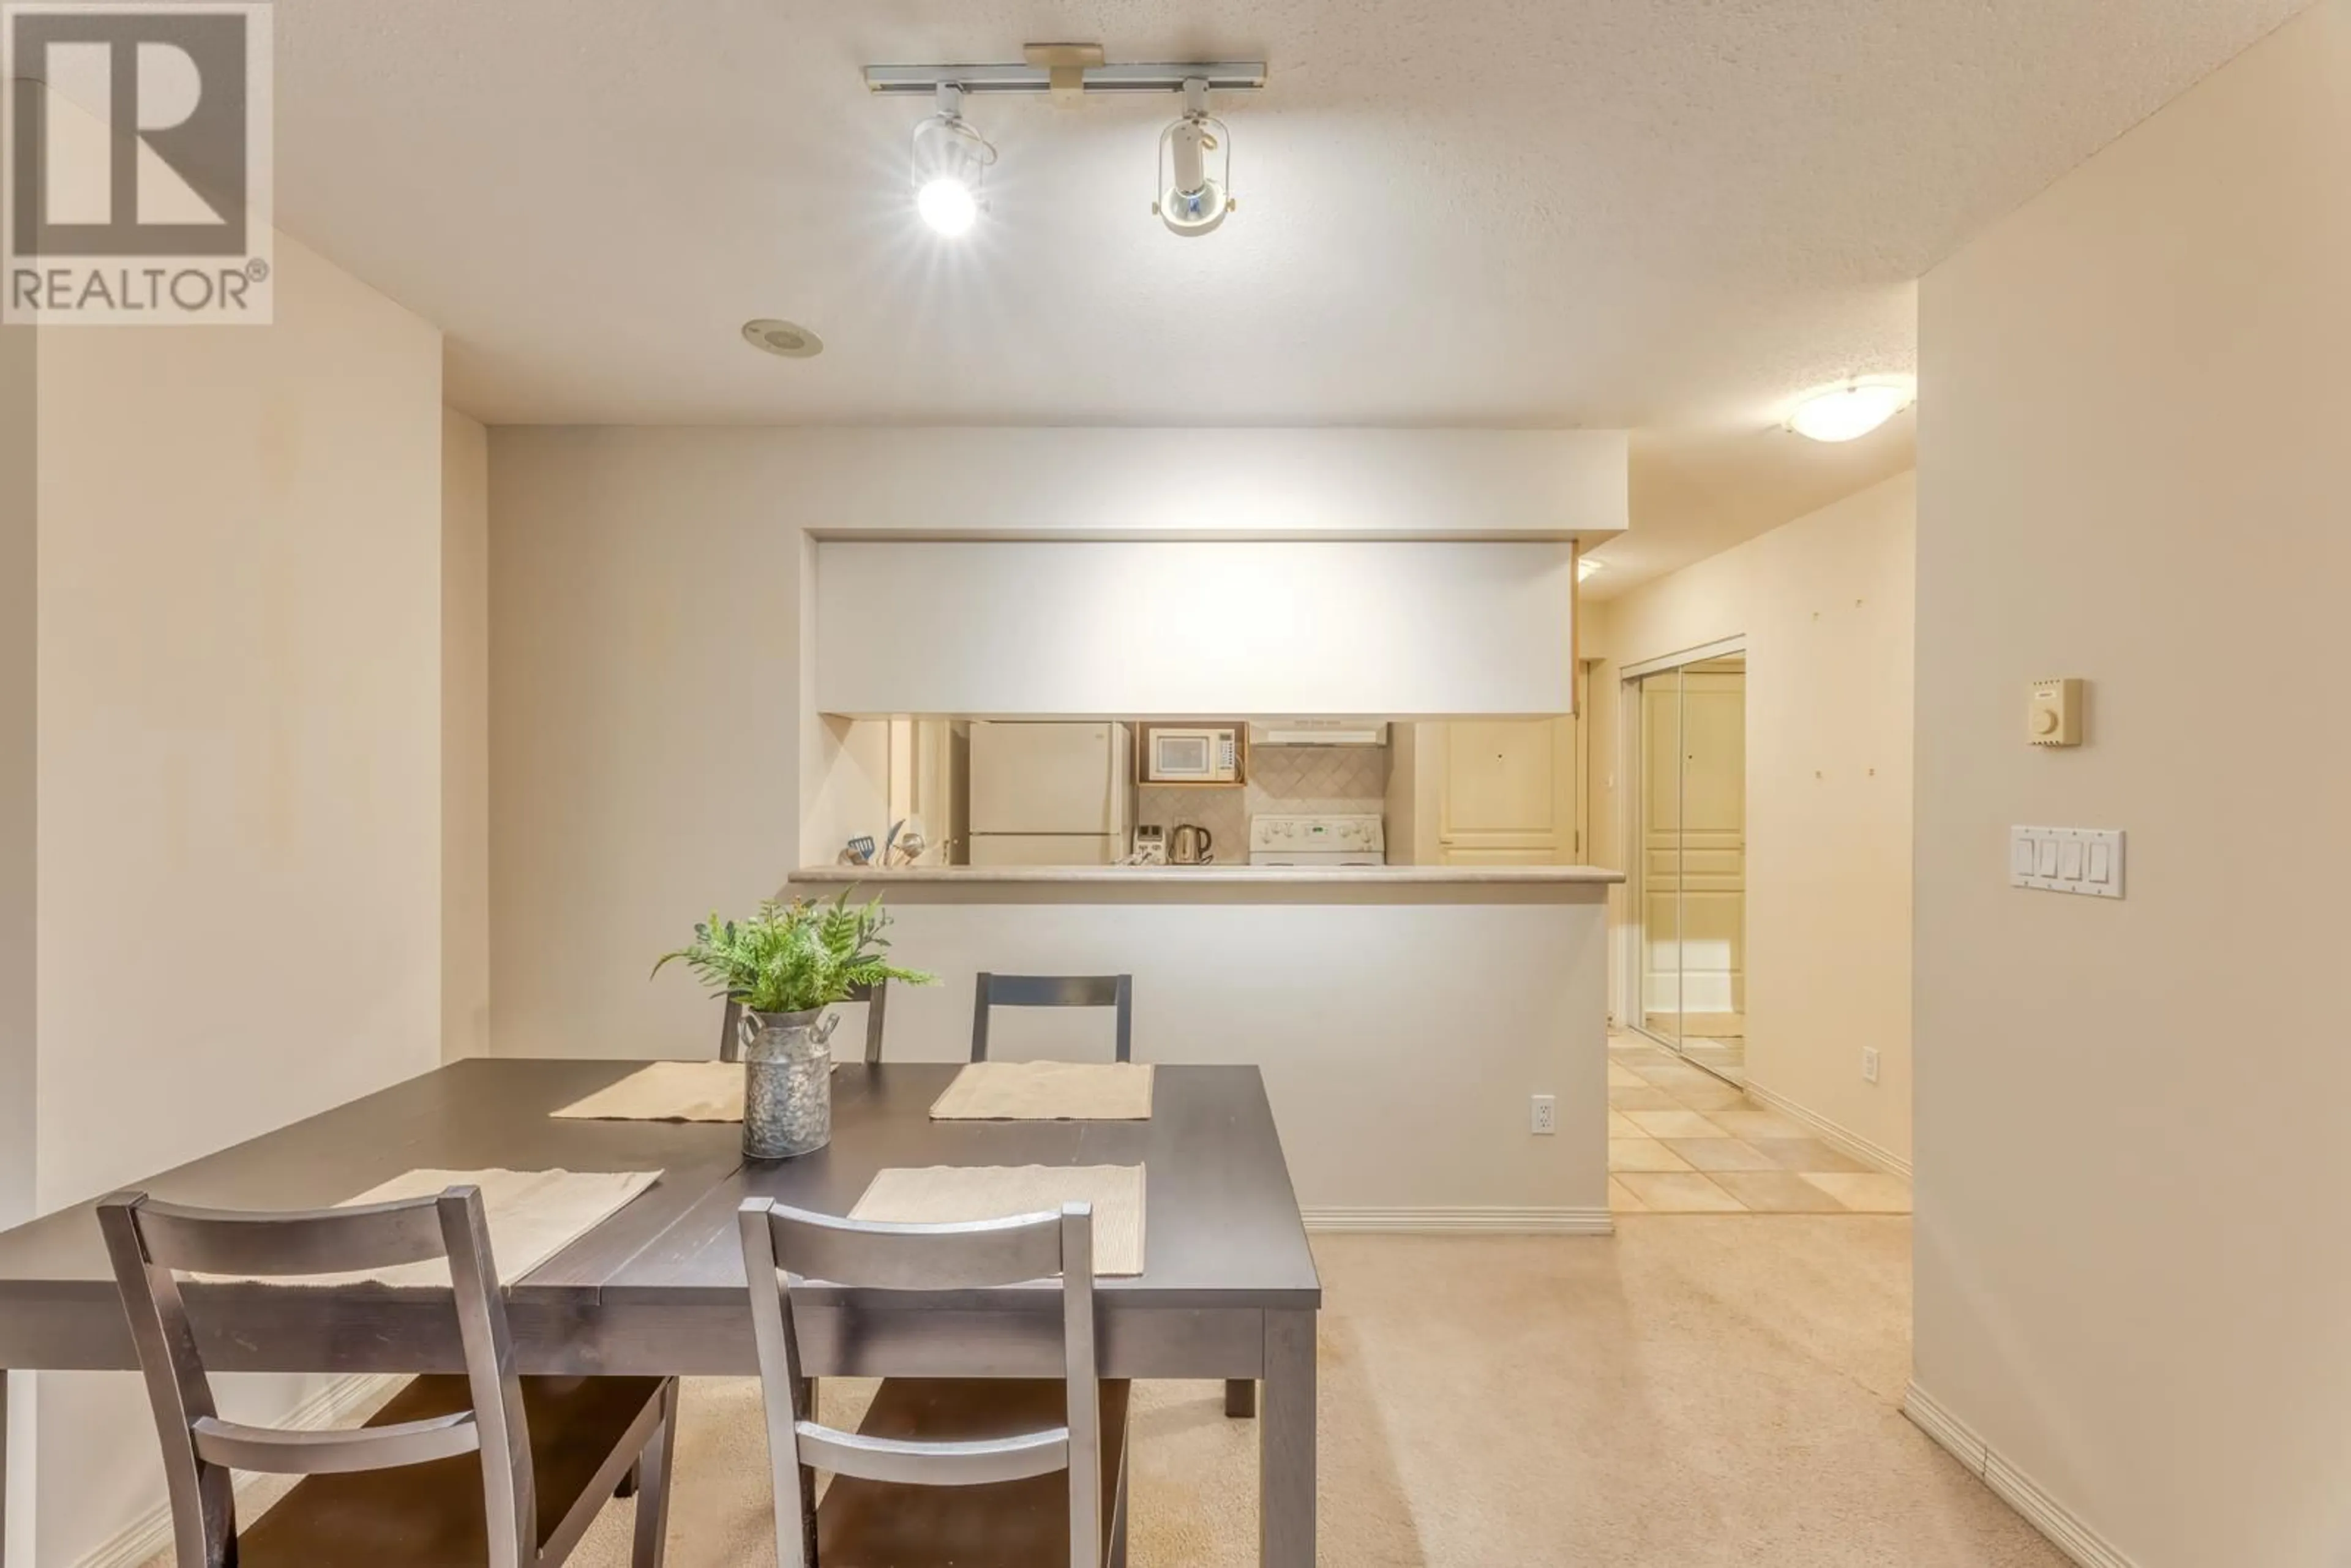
1457,1221
2013,1486
1842,1139
345,1402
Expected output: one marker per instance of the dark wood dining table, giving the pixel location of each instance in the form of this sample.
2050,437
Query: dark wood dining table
1229,1291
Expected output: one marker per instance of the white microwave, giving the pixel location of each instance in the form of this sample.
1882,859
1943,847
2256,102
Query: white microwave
1192,756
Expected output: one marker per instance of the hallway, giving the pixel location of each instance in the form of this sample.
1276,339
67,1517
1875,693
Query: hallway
1681,1141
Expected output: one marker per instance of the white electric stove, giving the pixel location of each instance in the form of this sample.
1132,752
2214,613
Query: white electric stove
1347,840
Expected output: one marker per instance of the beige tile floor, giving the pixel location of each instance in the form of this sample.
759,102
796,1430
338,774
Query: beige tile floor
1681,1141
1717,1039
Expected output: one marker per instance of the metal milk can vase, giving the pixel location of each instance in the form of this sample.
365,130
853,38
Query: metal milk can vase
787,1082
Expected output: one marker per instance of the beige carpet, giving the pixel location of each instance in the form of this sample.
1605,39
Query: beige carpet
1698,1391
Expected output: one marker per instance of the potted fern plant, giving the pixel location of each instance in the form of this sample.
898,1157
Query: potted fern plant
788,966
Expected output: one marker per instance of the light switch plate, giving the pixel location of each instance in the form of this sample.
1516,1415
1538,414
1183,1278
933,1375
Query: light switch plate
2087,861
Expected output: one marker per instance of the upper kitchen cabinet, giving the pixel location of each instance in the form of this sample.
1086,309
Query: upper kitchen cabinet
1169,628
1492,791
1507,792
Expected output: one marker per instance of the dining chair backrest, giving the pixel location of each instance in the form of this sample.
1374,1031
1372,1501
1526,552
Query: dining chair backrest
876,997
151,1243
784,1247
994,991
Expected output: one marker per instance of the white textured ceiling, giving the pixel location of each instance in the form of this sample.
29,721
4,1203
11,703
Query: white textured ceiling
1666,214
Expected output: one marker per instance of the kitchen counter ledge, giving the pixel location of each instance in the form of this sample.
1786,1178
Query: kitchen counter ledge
1223,876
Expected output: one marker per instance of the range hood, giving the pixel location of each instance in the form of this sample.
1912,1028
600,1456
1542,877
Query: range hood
1318,732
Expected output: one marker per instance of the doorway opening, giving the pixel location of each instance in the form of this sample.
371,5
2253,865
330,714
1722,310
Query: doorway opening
1687,876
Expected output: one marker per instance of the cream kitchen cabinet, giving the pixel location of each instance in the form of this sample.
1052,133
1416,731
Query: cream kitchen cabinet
1506,791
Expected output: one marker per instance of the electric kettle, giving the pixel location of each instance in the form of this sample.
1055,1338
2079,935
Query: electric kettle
1188,845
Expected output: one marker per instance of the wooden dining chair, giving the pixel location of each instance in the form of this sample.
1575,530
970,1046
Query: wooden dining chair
1053,991
974,1473
876,997
483,1468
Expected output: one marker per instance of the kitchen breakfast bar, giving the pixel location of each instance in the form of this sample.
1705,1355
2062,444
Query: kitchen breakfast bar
1406,1017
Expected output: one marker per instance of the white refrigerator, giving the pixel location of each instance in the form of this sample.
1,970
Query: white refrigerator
1050,794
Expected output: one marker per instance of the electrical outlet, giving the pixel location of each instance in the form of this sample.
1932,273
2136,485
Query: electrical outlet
1869,1064
1542,1115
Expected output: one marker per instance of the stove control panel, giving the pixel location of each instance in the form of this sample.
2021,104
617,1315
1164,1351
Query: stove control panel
1335,834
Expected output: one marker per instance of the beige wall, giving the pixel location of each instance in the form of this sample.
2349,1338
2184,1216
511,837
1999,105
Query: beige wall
1076,482
18,1059
18,649
464,736
1826,606
646,729
239,767
2132,1278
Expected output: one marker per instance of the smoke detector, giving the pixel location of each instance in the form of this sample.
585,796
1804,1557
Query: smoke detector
788,339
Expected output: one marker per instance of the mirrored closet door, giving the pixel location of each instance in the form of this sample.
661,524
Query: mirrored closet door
1688,874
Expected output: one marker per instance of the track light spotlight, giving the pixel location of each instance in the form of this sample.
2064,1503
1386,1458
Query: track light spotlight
950,159
1192,200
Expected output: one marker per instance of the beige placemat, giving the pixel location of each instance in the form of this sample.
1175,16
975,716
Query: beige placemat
667,1091
948,1194
532,1216
1047,1092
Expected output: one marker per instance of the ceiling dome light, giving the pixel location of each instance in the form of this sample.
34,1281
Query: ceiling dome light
1854,410
950,158
1191,201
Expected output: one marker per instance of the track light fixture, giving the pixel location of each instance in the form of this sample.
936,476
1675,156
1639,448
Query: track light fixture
1193,189
950,160
1191,201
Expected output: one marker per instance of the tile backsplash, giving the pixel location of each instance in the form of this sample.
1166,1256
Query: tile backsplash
1292,780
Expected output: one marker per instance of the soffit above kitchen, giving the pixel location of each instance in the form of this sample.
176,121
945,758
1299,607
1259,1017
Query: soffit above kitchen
1667,218
955,482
